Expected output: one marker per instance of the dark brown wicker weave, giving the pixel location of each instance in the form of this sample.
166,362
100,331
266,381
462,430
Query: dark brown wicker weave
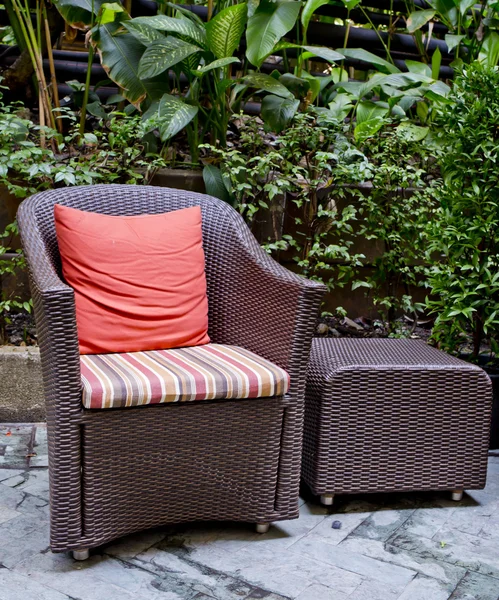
117,471
385,415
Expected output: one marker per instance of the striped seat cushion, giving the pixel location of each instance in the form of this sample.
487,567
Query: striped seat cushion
212,371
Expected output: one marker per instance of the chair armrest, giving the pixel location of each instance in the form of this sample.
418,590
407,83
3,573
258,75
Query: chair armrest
55,314
256,303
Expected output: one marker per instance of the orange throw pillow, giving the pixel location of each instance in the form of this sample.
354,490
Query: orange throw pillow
139,281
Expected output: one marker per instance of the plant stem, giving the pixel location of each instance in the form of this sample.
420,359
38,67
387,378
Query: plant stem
388,55
53,80
90,61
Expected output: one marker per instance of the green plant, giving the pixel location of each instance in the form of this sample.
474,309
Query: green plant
464,284
296,183
394,213
472,28
10,264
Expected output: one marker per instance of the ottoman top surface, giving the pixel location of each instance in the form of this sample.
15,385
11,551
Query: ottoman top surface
329,355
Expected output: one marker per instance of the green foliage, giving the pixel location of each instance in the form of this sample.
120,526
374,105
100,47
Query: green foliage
465,283
299,176
394,214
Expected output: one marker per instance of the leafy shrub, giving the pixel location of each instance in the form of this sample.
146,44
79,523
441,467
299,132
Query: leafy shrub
465,283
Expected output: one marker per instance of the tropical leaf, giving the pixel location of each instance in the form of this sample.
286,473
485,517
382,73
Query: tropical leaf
418,18
436,61
218,64
367,129
453,41
325,53
78,13
184,10
271,21
418,68
278,112
367,111
170,115
120,53
143,33
224,31
215,185
184,27
365,56
308,10
412,133
341,106
267,83
163,54
446,10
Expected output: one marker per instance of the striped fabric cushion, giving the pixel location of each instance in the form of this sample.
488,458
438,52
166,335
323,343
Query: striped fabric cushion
180,375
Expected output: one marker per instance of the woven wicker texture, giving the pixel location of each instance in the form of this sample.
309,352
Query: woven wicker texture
392,415
253,303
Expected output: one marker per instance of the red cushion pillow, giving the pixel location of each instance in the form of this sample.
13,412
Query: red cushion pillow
139,281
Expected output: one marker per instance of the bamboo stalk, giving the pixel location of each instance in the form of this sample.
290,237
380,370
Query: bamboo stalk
53,79
41,115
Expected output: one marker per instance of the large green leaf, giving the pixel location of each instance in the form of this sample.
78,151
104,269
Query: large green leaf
163,54
418,18
326,53
489,53
278,112
215,184
308,10
143,33
271,21
170,115
366,111
78,13
267,83
217,64
120,53
446,10
365,56
224,31
184,27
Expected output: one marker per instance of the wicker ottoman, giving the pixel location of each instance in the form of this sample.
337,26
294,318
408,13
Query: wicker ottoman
389,415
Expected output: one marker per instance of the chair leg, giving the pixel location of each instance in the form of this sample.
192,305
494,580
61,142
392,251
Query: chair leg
82,554
262,527
327,499
457,495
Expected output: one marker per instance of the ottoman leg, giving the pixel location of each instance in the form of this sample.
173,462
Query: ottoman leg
457,495
327,499
262,527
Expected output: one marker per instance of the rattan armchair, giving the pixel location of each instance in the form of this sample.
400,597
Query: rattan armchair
113,472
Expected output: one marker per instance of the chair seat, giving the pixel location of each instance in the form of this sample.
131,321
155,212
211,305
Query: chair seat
208,372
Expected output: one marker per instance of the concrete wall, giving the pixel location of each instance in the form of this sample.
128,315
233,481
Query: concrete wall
21,388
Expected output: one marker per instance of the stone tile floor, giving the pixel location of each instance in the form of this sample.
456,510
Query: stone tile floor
388,547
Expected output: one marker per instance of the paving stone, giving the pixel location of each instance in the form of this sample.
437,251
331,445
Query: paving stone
15,549
423,588
16,440
17,587
283,572
349,522
40,448
98,578
338,556
382,524
6,514
426,521
36,484
173,566
8,473
471,552
376,590
476,587
14,481
321,592
131,545
441,571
